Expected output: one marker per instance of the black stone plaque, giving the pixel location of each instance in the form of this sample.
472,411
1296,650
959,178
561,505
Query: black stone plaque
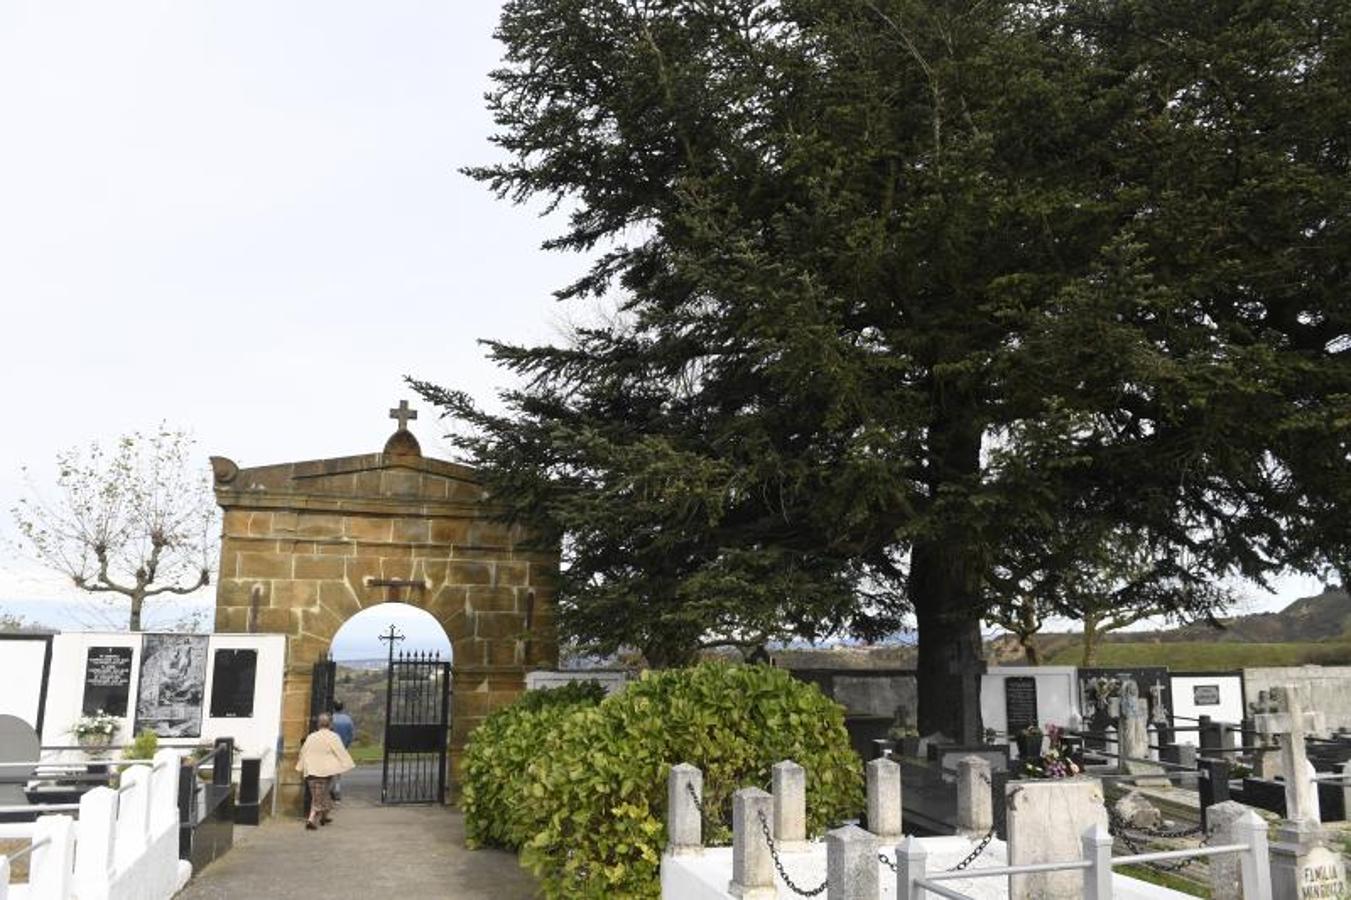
232,680
107,680
1206,695
1020,703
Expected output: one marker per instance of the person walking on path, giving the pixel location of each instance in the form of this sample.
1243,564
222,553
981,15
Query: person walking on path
347,730
322,757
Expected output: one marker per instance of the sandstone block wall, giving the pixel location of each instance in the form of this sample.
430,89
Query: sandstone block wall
306,546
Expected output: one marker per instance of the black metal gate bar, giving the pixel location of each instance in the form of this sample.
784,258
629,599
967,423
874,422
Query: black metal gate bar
321,701
417,727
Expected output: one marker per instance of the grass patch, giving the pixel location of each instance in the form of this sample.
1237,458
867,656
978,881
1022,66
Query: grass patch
1165,879
1206,655
366,753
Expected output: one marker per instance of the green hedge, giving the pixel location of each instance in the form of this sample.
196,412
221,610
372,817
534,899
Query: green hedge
499,753
595,791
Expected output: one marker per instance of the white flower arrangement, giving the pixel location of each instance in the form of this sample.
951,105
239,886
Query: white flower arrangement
99,727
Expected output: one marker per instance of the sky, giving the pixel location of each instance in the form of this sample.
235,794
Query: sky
246,219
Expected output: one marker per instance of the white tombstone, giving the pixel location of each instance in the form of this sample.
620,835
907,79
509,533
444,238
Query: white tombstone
1046,823
1301,864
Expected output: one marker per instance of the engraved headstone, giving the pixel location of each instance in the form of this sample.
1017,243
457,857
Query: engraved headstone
1020,703
107,680
233,674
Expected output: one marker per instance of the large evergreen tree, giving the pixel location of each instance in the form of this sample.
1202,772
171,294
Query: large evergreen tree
904,288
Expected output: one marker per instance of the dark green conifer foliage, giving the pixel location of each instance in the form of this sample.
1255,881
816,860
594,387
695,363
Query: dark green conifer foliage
908,291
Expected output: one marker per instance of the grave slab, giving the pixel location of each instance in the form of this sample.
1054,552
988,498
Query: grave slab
1046,823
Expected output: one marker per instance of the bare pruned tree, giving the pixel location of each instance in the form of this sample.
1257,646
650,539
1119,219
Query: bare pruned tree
135,522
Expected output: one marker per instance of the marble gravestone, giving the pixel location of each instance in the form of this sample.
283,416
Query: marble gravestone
18,744
1302,866
1134,737
1046,823
107,681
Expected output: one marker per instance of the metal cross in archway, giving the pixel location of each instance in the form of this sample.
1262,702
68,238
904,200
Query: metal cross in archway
394,636
403,413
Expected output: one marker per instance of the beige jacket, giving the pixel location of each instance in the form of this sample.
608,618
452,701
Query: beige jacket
323,755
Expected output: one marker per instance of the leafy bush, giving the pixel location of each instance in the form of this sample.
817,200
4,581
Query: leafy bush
595,798
499,754
143,746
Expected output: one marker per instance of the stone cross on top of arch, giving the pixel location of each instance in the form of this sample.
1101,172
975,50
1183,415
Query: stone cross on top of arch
403,413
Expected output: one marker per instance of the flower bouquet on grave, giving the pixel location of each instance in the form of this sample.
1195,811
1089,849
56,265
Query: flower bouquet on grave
1105,692
1051,764
94,733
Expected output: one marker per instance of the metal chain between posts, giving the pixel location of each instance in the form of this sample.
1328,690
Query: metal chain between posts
980,848
1118,828
778,864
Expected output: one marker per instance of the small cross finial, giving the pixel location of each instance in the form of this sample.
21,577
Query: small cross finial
403,414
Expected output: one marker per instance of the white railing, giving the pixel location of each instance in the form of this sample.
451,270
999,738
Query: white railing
123,846
914,881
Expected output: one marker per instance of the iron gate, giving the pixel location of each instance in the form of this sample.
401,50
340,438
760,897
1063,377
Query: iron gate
321,701
417,728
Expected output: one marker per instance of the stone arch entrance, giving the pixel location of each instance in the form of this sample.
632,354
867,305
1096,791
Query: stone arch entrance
306,545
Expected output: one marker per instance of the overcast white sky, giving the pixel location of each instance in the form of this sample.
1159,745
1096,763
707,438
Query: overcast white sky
245,218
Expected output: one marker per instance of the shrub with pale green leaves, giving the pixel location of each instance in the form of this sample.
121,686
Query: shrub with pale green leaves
594,798
499,754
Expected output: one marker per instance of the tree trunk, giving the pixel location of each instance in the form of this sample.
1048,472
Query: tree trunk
137,601
946,578
950,663
1090,655
1027,633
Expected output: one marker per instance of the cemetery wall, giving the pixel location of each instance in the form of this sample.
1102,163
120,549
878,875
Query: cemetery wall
1055,690
613,680
1326,689
24,661
71,681
1216,694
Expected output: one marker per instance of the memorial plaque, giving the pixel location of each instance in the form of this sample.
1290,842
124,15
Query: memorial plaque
1020,703
1206,694
1321,874
232,680
107,680
173,680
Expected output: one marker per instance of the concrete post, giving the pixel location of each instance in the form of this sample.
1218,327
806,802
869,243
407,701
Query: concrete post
684,824
132,806
1097,844
851,864
1221,828
975,799
94,836
1255,864
884,799
752,866
4,878
164,775
911,866
1346,788
51,863
790,806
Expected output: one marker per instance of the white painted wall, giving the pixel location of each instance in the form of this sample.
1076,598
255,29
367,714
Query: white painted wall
1230,708
21,662
253,736
611,679
1057,694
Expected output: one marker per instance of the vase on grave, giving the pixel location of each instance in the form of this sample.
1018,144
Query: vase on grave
1029,745
95,746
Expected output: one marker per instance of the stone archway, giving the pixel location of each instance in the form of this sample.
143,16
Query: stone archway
306,545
